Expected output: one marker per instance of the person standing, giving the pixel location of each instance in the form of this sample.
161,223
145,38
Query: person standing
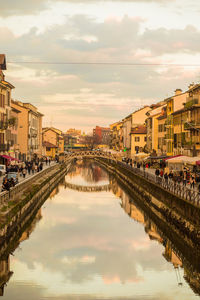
192,182
184,178
24,172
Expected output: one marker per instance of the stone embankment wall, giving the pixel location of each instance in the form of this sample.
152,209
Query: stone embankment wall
164,208
26,198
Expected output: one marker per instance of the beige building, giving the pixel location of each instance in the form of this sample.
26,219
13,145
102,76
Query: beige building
55,140
174,104
116,139
152,126
29,130
5,109
138,139
133,120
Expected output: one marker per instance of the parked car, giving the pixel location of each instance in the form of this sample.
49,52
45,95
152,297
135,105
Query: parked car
13,177
2,170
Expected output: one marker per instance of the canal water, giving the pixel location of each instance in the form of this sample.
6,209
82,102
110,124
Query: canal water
94,245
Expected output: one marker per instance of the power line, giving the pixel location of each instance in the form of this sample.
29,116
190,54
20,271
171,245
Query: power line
103,63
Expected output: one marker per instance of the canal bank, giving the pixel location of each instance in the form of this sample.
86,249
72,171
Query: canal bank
94,245
163,205
25,199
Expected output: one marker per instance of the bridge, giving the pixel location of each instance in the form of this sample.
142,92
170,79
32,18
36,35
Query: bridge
82,188
90,154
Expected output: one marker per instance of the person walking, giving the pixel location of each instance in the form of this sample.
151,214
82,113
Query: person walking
24,172
166,178
184,178
192,182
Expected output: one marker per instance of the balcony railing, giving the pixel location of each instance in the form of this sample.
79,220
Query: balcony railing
191,125
192,102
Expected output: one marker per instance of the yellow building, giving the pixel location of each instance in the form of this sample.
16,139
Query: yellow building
61,144
116,130
192,122
29,130
174,104
54,137
138,139
152,122
162,132
49,149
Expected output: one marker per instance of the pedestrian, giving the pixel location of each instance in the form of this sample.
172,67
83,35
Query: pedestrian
184,178
161,173
192,182
46,160
131,162
157,172
49,161
171,175
24,172
166,178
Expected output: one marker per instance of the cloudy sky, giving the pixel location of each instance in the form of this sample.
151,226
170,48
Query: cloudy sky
42,37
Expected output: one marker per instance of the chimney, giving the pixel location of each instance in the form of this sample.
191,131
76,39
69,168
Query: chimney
178,92
191,85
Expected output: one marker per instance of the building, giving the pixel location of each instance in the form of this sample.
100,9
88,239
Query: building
73,132
53,141
191,121
152,126
137,118
14,146
29,130
116,136
138,139
127,133
101,135
162,150
5,109
174,104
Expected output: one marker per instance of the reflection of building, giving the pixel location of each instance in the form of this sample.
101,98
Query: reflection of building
5,273
25,235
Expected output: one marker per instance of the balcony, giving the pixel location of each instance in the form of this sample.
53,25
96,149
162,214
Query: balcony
3,125
191,125
4,148
190,103
168,136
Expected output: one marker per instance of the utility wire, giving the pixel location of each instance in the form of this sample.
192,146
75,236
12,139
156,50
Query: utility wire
103,63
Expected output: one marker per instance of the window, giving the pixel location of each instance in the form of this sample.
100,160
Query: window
48,149
137,139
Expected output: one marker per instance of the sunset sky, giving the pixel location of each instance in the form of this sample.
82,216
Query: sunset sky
133,31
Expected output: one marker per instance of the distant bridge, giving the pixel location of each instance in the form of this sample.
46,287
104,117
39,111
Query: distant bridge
90,154
82,188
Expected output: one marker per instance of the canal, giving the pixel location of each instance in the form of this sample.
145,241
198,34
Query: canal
94,244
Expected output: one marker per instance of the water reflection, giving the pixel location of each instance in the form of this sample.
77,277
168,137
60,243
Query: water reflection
82,246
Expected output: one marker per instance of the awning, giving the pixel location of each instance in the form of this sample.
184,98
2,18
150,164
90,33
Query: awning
171,157
8,157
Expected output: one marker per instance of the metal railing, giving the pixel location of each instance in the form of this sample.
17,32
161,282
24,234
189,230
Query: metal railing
170,185
174,187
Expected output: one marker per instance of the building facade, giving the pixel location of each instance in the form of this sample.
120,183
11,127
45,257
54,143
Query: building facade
29,130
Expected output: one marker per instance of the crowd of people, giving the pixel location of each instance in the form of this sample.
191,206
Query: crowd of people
184,177
22,169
